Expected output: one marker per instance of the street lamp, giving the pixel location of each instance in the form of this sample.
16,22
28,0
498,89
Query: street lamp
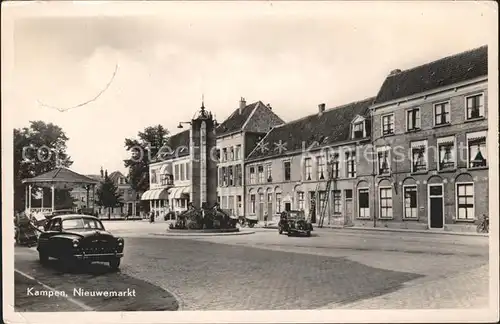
180,124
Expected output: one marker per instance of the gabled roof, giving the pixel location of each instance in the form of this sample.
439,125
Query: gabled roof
443,72
115,175
60,176
332,126
96,177
177,146
237,121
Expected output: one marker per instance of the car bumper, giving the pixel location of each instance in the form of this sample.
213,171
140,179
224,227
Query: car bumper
98,257
299,231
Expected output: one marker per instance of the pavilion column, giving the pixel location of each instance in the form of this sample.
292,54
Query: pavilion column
88,192
29,198
42,199
53,197
93,199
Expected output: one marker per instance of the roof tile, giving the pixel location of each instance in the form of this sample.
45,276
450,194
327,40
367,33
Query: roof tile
443,72
330,127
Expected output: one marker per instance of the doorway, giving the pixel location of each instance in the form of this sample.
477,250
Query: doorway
436,206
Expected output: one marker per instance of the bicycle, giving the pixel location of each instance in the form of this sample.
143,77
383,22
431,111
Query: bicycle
484,225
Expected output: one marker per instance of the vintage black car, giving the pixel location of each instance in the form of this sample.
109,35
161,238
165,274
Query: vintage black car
72,238
293,222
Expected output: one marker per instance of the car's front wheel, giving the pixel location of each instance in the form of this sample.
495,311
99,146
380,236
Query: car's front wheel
114,264
43,257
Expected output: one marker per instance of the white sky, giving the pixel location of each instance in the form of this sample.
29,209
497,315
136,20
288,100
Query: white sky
292,55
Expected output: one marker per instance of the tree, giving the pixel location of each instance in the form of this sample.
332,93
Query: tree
142,150
39,148
107,195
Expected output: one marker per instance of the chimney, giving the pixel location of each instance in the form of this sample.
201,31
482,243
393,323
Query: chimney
106,174
243,104
394,72
269,106
102,173
321,108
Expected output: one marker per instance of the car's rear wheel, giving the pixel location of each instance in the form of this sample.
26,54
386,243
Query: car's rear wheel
43,257
114,264
308,233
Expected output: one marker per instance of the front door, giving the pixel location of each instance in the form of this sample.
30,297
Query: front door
436,212
288,206
348,211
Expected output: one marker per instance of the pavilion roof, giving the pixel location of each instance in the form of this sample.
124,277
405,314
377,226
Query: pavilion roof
60,176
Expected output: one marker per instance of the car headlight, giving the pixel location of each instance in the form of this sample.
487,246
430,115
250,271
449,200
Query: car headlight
119,241
75,243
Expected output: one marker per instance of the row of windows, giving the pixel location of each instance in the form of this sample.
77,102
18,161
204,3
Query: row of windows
446,155
232,153
464,201
474,108
228,204
264,173
332,169
230,176
181,173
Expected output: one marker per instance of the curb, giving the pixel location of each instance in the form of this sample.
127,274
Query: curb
202,234
400,230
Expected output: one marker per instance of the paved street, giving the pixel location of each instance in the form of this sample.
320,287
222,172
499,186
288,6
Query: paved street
332,269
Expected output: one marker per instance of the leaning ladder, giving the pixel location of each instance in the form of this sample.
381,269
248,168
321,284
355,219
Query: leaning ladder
331,180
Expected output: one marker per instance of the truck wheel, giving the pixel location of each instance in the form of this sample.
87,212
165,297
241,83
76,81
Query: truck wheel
251,225
114,264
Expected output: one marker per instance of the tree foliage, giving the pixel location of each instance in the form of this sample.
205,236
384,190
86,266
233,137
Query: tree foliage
142,150
35,150
108,195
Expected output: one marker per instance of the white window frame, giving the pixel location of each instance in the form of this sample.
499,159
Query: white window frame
321,167
363,129
446,139
473,135
484,104
426,155
352,157
380,202
389,157
434,113
407,111
357,203
382,124
301,202
252,175
253,203
404,206
339,201
473,202
305,169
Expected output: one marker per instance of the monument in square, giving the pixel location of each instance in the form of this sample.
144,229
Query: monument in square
204,213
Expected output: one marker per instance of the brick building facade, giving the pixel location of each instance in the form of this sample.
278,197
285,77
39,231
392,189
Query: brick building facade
430,134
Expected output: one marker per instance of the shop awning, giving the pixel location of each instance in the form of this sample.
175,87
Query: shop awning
155,194
178,192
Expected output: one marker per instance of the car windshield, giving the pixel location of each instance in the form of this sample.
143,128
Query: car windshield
82,223
295,215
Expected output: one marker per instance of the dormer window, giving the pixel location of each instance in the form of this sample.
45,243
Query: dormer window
359,129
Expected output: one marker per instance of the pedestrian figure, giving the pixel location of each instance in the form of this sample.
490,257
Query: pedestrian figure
265,220
151,217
